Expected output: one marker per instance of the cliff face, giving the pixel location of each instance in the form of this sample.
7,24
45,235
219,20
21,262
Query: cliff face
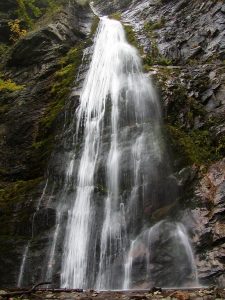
36,77
183,48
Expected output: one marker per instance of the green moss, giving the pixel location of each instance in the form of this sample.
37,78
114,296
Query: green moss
131,37
27,10
163,61
44,146
50,10
150,26
60,89
188,106
9,86
16,192
195,147
154,57
116,16
36,13
15,201
62,84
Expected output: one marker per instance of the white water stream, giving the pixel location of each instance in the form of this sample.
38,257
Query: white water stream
108,198
114,79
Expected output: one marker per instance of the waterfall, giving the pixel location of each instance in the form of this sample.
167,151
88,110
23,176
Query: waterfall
22,266
116,178
26,249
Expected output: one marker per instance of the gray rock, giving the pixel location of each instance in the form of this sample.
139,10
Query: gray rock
223,8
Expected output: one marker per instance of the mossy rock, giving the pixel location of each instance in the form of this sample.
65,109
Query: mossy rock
193,147
60,90
16,200
131,38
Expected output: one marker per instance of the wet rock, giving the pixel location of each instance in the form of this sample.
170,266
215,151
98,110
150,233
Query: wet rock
49,42
223,8
33,63
206,95
186,175
167,267
43,219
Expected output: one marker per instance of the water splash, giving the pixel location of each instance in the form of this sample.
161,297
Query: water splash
26,249
22,266
51,261
128,267
161,252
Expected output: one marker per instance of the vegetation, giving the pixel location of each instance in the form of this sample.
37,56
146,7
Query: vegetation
16,31
12,195
116,16
17,191
31,14
59,92
4,50
154,57
7,85
131,37
189,130
195,146
27,11
150,26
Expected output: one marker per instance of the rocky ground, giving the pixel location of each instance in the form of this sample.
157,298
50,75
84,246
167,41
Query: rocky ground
198,294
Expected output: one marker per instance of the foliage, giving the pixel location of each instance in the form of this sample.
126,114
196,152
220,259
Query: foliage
59,91
115,16
150,26
197,146
16,31
27,10
188,107
9,86
16,191
131,37
154,57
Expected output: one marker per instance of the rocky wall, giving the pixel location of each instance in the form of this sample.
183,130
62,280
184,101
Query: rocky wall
36,80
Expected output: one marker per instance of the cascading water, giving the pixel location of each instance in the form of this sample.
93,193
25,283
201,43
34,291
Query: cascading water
162,249
115,183
115,85
122,155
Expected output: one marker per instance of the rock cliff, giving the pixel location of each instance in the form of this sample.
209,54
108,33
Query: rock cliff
182,44
36,76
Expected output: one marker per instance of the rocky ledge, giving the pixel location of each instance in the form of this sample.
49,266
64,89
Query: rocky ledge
196,294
